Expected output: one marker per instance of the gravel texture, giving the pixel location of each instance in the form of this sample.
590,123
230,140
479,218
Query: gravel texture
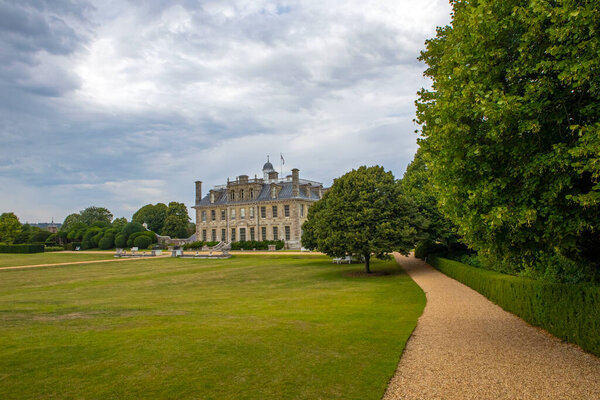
466,347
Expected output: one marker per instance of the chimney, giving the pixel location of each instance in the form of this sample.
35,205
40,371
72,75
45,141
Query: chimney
295,182
308,189
273,176
198,191
243,178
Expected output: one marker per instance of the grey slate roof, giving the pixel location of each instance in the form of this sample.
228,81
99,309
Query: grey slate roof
264,195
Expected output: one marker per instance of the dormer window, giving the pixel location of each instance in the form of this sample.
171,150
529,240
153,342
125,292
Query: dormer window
212,198
273,192
232,195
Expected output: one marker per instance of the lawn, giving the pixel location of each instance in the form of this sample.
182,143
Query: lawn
272,327
9,260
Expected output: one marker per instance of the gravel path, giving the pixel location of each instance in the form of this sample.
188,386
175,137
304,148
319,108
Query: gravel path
466,347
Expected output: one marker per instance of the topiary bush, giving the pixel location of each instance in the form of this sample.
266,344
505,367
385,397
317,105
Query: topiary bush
142,242
107,242
570,312
120,241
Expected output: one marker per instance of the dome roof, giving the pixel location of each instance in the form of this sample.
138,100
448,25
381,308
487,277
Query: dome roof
268,165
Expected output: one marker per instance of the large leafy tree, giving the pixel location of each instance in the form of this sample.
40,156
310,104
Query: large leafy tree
96,214
153,215
365,213
418,186
511,127
176,221
9,227
70,221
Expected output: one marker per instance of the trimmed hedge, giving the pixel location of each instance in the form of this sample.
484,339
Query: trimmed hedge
22,248
570,312
258,245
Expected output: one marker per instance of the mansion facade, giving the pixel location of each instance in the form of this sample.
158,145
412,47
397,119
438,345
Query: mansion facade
267,208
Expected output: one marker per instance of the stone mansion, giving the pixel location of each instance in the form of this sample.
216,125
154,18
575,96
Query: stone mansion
268,208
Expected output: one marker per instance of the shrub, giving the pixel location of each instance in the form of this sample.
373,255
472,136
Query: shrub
107,242
120,241
132,227
425,248
72,245
570,312
142,242
48,249
22,248
198,245
258,245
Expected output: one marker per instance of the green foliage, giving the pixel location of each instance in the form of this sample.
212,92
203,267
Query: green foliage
176,222
511,129
119,223
150,235
70,222
22,248
120,241
107,241
198,245
51,240
153,215
38,235
73,246
258,245
9,227
365,212
132,227
426,248
95,214
570,312
49,249
142,242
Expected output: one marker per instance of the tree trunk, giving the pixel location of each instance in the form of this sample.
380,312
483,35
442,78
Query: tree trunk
367,259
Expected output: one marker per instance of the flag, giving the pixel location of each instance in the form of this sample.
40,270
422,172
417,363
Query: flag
282,160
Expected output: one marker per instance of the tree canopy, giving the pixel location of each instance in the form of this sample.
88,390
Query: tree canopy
95,214
9,227
511,130
153,215
176,221
364,213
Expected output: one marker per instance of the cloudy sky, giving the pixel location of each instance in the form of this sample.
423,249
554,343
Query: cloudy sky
124,103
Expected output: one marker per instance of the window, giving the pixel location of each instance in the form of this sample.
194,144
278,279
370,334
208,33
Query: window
233,234
242,213
273,192
213,215
214,235
263,232
274,211
263,212
275,233
223,235
232,196
233,213
212,198
243,234
242,194
287,233
286,210
251,193
251,233
302,210
251,212
203,216
204,235
223,215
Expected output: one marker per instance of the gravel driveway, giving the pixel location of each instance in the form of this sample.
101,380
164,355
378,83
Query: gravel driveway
466,347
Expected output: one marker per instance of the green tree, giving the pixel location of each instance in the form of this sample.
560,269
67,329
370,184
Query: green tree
511,130
366,213
71,220
418,186
176,222
9,227
94,214
119,223
153,215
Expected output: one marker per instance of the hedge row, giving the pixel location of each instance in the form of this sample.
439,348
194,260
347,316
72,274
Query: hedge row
570,312
258,245
22,248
